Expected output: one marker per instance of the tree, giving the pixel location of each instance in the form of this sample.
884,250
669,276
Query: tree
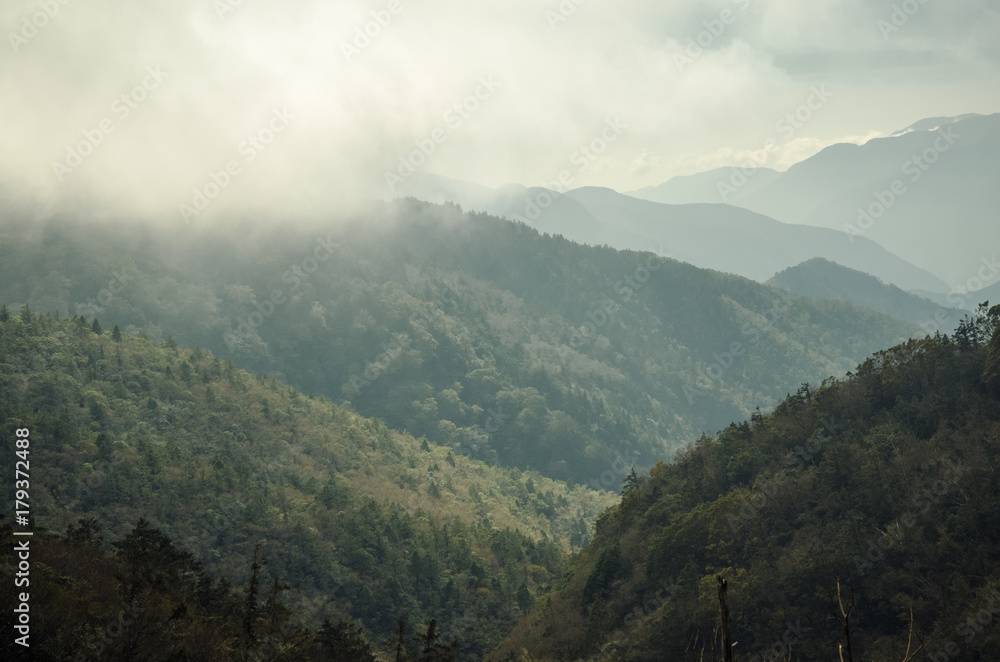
86,534
4,314
524,599
432,650
150,558
96,327
727,637
116,333
345,642
991,373
632,482
401,640
844,619
250,610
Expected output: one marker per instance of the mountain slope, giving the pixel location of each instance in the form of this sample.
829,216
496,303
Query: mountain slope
712,186
366,523
717,236
729,239
479,334
822,279
884,487
923,189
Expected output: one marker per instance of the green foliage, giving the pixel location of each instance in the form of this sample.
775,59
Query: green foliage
991,371
141,598
464,328
631,483
345,643
886,481
608,568
355,519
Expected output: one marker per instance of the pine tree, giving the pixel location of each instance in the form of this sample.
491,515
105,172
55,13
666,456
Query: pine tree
991,373
432,650
250,611
4,314
631,482
524,599
116,334
345,642
96,327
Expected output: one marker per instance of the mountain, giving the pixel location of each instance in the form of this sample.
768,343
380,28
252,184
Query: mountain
875,496
712,186
479,334
967,296
822,279
716,236
729,239
934,123
926,193
362,523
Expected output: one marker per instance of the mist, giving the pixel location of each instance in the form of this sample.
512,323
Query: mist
193,111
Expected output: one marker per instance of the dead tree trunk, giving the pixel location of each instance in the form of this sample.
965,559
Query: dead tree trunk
727,637
845,622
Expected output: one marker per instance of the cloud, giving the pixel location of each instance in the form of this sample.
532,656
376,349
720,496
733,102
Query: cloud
368,81
644,162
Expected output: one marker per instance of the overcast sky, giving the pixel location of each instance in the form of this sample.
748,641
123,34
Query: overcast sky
342,111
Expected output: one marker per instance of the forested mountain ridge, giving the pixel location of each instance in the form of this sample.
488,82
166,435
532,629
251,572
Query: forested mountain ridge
875,498
822,279
480,334
701,231
367,523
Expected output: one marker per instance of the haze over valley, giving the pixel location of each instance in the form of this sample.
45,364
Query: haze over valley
417,332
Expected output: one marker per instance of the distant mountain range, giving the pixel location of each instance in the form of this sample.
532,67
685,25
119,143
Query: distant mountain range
927,193
481,335
712,236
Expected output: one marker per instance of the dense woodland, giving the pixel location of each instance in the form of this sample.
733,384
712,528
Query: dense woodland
398,460
822,279
858,521
517,348
357,523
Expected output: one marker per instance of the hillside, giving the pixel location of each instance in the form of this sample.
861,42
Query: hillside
361,522
481,335
823,279
732,239
712,236
711,186
885,483
928,186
